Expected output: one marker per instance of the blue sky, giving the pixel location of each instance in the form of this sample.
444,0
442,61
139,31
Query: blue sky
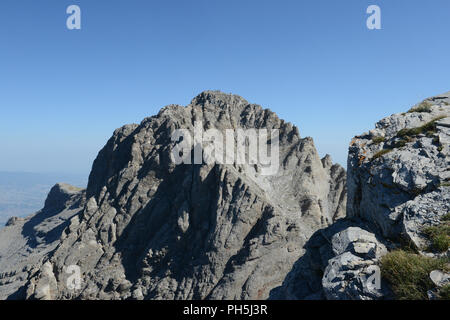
314,62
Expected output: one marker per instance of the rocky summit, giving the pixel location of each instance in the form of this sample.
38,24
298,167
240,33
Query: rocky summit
149,228
398,185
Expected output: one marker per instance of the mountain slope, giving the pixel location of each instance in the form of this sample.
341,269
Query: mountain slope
22,193
151,229
398,182
26,242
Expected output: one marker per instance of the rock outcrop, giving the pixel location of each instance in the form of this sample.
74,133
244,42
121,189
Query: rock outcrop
399,173
352,273
148,228
398,184
25,243
340,263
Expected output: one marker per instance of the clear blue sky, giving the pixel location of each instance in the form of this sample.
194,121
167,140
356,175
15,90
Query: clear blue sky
314,62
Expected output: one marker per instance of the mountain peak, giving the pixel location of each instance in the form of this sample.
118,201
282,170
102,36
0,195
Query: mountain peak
212,230
217,98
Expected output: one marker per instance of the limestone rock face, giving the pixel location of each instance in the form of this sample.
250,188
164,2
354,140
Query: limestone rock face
148,228
340,263
25,243
353,273
398,174
398,184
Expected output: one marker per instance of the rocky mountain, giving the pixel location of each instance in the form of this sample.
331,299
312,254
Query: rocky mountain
22,193
398,184
26,242
149,228
398,173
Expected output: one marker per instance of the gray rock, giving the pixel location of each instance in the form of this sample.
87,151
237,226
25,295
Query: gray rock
13,221
393,196
358,241
424,210
353,274
151,229
147,228
439,278
26,243
380,187
395,193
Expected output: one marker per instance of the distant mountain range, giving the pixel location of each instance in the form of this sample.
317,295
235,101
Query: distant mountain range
23,193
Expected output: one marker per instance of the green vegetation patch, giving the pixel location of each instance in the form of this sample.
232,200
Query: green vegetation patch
428,128
381,153
439,235
425,106
408,273
444,292
378,140
400,143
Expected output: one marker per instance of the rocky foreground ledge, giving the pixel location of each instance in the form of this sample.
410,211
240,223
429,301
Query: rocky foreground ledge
398,184
397,229
146,228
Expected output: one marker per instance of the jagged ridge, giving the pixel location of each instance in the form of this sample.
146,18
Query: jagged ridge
155,230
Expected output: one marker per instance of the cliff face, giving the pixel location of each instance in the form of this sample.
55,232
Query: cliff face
153,229
26,243
398,185
398,173
148,228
